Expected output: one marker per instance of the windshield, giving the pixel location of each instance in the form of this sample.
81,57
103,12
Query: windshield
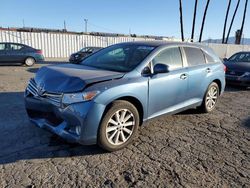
119,57
240,57
86,49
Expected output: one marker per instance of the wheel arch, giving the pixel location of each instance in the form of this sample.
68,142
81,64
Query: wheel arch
218,82
134,101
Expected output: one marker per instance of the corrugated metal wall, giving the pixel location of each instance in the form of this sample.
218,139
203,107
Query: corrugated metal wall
60,45
227,50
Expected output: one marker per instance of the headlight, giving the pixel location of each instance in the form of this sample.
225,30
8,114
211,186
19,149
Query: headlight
246,74
78,97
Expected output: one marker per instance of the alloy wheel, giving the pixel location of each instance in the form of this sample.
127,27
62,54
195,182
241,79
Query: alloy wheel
29,61
211,97
120,127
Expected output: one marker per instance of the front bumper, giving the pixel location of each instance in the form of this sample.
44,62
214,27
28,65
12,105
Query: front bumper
238,80
63,121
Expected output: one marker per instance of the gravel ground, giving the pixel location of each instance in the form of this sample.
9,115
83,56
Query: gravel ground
184,150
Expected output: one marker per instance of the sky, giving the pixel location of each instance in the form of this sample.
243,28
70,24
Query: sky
143,17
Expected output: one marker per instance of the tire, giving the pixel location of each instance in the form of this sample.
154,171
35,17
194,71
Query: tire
210,99
119,126
30,61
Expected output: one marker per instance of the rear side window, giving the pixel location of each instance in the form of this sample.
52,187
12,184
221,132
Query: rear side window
194,56
2,46
209,58
171,57
15,47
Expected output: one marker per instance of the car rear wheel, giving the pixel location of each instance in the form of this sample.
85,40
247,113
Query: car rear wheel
30,61
210,98
119,126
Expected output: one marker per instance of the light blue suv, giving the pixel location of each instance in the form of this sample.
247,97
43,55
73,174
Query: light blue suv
106,97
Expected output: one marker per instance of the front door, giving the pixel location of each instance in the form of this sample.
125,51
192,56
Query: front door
167,91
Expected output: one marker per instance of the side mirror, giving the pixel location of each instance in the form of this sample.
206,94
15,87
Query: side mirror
225,59
161,68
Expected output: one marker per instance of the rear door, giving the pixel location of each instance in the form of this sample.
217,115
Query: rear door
198,71
167,91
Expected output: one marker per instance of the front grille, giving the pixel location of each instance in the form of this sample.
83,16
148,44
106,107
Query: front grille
52,98
234,73
32,88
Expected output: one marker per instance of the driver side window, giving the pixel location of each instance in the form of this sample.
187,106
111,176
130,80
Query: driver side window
171,57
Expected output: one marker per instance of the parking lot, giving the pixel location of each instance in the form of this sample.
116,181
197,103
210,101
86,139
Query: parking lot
184,150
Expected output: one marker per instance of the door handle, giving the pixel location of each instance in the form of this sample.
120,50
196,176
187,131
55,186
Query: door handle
183,77
208,70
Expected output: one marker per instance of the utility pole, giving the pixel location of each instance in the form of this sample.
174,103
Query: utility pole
86,25
64,23
23,24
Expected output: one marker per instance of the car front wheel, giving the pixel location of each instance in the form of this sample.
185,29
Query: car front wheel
29,61
119,126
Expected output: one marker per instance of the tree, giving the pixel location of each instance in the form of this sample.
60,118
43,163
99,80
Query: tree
181,21
243,21
203,20
194,19
225,23
232,21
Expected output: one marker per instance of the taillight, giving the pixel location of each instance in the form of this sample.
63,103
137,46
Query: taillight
225,68
39,52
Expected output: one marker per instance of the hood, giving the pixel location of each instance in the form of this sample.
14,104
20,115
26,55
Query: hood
238,66
67,78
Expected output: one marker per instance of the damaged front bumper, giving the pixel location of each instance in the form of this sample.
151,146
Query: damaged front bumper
77,122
